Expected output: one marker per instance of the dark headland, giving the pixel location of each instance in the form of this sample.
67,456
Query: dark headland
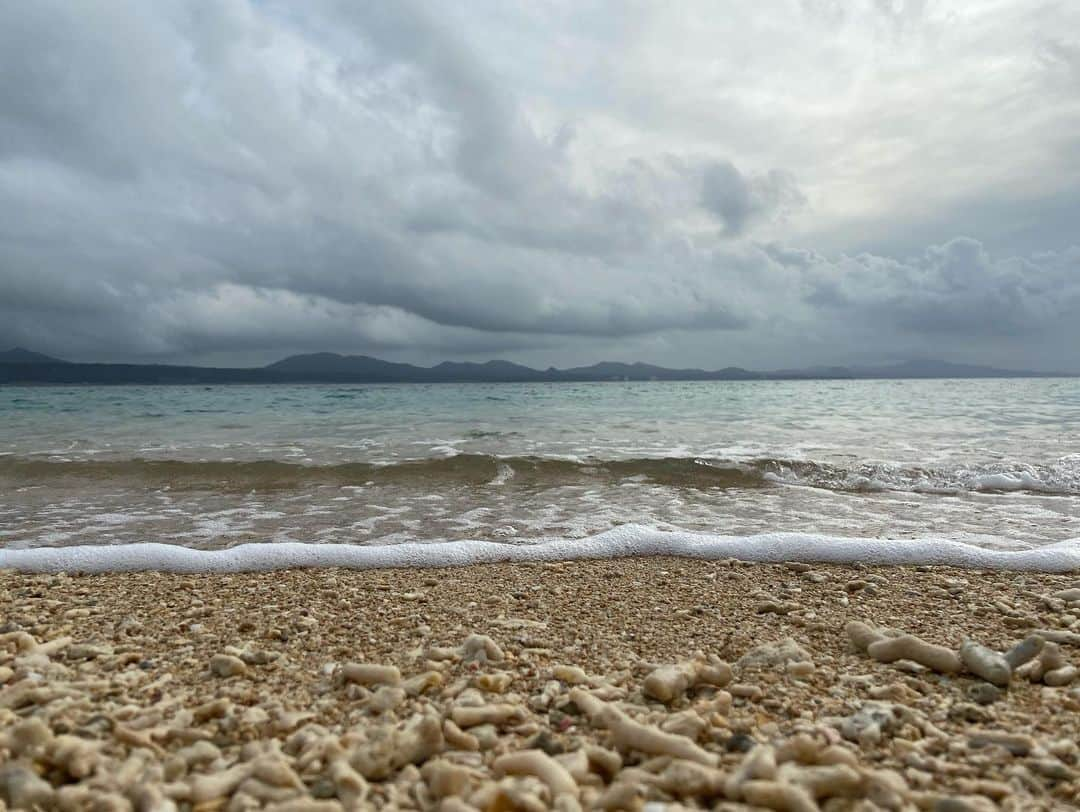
21,366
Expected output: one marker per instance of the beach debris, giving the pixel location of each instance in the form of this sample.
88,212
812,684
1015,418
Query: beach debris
629,735
1025,651
466,716
909,647
886,648
862,635
983,693
540,765
773,655
870,723
1059,677
985,663
1019,744
380,750
1050,667
226,665
445,779
670,682
368,674
480,648
758,764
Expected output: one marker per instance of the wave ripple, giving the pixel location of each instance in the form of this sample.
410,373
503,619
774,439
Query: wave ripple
1060,477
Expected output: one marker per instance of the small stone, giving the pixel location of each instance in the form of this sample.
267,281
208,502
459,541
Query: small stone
869,724
985,663
801,670
1019,744
370,674
983,693
21,788
910,647
739,743
1024,651
1060,676
86,652
226,665
481,648
773,655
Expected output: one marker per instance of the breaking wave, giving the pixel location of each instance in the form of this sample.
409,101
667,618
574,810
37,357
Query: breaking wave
1058,477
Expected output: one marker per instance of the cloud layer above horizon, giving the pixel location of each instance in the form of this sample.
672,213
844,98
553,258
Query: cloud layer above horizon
798,182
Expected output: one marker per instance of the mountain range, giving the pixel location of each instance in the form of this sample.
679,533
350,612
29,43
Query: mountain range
19,365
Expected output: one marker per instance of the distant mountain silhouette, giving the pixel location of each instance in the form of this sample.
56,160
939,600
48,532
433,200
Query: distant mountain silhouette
488,371
330,363
18,355
614,370
23,366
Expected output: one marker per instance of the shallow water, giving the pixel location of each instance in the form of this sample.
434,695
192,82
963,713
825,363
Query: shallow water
990,462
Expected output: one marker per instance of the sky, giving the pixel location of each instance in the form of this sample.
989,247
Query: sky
770,184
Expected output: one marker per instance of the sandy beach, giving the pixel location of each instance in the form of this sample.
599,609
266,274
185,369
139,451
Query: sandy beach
604,684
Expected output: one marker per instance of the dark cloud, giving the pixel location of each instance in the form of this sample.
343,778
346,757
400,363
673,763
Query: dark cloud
739,200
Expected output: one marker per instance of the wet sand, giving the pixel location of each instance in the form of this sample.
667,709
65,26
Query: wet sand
602,684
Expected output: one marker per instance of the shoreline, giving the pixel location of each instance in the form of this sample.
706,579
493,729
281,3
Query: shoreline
628,541
694,682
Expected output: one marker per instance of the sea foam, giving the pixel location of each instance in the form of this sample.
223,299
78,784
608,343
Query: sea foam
624,541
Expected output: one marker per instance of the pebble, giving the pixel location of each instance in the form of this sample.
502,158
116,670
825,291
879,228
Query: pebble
1025,651
1059,677
22,788
482,649
540,765
226,665
759,763
466,716
1019,744
630,735
910,647
862,635
773,655
670,682
986,663
370,674
983,693
1050,667
869,724
746,691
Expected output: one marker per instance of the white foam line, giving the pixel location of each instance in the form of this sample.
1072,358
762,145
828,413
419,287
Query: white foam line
624,541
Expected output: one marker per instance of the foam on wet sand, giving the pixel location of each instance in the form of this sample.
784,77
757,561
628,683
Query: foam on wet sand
592,684
626,540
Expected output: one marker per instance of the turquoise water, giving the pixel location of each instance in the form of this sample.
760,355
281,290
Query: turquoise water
995,462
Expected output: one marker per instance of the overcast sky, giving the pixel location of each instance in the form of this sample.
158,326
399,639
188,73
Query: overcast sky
765,184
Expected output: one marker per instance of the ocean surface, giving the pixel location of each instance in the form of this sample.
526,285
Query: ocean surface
990,463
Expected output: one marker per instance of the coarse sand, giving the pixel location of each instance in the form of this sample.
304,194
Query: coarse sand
593,684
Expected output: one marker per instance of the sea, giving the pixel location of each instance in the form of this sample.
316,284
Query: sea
985,472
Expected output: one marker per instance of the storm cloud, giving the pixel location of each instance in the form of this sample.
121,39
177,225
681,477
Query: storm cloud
805,182
738,201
